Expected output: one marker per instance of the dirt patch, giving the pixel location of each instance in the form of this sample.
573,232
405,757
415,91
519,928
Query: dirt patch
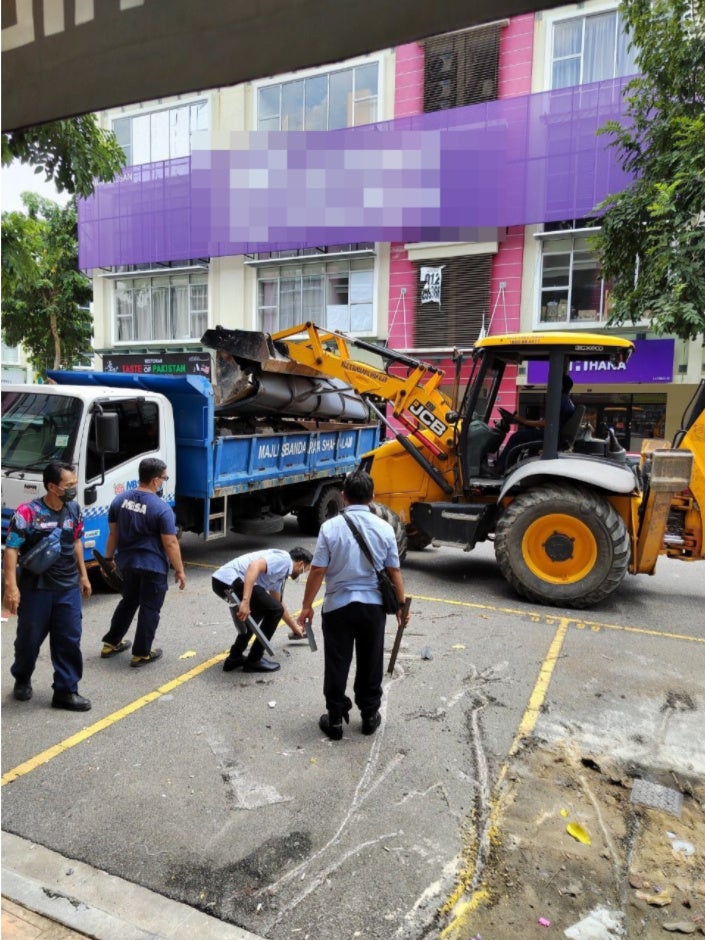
643,868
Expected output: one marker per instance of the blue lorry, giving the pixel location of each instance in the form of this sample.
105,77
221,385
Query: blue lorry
225,474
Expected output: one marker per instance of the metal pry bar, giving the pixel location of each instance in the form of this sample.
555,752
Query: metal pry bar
310,637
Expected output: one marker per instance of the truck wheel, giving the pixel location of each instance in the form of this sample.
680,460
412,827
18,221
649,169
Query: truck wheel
384,512
266,524
328,504
562,545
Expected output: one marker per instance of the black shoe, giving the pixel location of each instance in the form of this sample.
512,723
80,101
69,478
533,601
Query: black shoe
233,662
151,657
332,724
334,730
370,723
23,691
71,701
261,665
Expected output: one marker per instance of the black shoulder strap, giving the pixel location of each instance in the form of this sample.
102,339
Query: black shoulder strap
360,541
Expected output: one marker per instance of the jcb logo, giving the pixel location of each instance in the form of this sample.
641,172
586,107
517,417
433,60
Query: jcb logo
426,418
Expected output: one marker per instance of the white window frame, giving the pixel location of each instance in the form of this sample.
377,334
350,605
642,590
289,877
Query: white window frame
297,267
10,354
157,107
552,18
545,239
325,70
197,277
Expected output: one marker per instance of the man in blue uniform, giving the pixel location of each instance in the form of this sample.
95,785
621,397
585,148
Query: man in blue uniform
258,580
49,603
143,531
353,615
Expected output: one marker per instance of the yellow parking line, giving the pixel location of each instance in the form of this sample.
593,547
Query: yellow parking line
83,735
580,623
50,753
457,906
532,709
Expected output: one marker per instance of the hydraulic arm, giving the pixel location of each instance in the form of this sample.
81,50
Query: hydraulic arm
416,401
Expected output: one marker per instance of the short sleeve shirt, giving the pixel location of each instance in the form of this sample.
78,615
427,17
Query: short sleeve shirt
349,575
279,567
142,518
31,522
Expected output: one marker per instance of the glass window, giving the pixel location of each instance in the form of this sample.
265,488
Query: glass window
138,430
337,296
10,353
572,288
38,428
164,134
161,308
327,101
590,49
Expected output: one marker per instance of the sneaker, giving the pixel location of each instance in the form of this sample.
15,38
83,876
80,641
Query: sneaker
23,691
149,658
110,650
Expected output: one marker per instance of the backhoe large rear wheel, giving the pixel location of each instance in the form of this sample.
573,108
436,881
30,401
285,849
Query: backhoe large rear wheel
384,512
562,545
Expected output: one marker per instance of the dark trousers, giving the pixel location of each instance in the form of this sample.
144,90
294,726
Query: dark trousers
58,614
360,626
145,590
262,607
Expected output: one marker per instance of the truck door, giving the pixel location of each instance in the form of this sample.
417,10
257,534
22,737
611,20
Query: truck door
142,433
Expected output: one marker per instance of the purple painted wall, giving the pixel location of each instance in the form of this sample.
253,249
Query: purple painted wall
429,177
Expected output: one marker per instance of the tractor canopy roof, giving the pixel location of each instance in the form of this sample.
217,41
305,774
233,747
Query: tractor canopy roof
517,347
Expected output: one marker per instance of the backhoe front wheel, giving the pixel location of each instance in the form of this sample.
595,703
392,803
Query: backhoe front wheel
562,545
384,512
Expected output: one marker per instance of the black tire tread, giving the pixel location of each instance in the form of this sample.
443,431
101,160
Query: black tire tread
591,504
384,512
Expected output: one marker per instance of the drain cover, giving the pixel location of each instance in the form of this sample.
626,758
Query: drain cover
653,794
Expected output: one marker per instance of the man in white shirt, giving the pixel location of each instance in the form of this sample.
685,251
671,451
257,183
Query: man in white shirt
258,581
353,615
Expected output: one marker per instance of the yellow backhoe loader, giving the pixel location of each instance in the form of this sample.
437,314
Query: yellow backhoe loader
569,515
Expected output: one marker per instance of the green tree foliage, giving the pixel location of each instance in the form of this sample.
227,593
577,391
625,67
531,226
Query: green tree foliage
44,294
73,153
652,240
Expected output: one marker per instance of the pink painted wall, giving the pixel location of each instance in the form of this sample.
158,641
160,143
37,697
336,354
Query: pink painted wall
408,100
515,60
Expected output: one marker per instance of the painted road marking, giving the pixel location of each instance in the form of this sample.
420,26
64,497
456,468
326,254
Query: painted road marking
525,725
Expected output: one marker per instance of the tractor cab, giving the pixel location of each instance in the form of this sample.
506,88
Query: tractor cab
485,426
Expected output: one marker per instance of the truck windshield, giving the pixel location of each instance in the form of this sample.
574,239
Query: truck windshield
38,428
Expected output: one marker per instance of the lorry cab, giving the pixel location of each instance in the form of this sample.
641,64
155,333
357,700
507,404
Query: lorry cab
41,423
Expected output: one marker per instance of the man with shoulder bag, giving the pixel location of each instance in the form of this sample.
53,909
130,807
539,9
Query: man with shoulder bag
47,594
351,549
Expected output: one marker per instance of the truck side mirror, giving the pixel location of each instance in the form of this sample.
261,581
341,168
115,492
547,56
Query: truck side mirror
107,433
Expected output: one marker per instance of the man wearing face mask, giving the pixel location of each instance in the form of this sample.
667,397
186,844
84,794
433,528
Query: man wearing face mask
143,532
49,603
